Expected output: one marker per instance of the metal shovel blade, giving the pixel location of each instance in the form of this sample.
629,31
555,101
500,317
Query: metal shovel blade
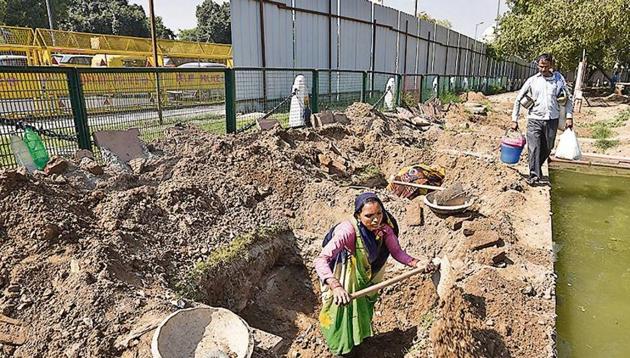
442,278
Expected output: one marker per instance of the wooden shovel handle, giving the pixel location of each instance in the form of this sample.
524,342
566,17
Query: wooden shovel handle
422,186
391,281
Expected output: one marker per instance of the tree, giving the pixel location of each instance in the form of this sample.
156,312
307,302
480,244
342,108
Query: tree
161,31
31,13
565,28
3,11
116,17
213,24
188,34
443,22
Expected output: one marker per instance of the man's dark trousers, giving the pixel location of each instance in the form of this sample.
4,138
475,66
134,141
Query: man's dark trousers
541,136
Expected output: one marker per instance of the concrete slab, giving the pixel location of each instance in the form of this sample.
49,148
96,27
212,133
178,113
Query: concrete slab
266,341
124,144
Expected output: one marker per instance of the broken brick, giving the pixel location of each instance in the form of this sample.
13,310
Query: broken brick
57,165
491,257
483,240
414,214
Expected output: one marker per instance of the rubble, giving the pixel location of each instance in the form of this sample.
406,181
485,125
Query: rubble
86,261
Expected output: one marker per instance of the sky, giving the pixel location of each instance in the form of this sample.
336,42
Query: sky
463,14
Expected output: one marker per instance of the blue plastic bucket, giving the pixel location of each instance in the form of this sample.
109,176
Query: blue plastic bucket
510,154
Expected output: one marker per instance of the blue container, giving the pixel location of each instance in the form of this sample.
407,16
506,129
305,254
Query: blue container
510,154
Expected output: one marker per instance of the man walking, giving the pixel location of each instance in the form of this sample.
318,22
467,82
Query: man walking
546,89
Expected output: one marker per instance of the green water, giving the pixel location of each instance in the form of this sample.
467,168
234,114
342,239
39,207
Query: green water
591,230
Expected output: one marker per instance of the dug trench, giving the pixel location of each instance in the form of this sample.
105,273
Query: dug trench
94,257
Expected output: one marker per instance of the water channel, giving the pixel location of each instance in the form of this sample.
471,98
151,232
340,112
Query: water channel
591,233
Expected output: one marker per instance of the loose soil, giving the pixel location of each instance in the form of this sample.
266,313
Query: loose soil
91,263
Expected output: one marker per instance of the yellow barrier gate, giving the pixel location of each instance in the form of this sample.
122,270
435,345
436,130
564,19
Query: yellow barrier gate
38,46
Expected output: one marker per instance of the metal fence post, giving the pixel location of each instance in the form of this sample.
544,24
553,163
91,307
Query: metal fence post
315,92
421,89
439,84
364,85
399,88
230,100
79,110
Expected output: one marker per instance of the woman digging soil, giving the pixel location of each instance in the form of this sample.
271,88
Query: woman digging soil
347,265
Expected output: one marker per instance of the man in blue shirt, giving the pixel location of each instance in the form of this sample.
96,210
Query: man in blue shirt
546,89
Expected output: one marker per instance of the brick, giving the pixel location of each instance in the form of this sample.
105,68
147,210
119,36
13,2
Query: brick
267,124
57,165
483,240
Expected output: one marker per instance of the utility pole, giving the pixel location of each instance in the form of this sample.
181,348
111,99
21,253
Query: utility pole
498,11
155,60
477,27
49,10
415,12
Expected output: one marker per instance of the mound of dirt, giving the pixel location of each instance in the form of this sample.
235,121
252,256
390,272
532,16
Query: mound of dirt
452,334
477,97
93,259
358,110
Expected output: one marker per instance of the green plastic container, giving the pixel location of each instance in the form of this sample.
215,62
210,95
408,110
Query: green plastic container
36,148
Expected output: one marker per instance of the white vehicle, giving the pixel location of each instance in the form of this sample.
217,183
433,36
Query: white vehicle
203,95
13,60
201,65
72,60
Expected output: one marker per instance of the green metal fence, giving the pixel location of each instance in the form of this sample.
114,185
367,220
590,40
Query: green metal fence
338,89
67,105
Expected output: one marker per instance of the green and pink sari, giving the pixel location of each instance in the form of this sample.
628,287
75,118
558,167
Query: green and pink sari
347,326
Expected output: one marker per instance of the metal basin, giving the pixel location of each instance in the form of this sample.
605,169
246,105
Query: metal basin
447,209
207,332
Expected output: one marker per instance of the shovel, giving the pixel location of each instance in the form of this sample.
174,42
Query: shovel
442,279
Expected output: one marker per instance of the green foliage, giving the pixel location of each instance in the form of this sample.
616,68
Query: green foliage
213,24
409,100
604,144
116,17
602,129
3,11
368,172
191,285
564,28
620,119
161,31
449,97
188,35
494,89
442,22
602,132
31,13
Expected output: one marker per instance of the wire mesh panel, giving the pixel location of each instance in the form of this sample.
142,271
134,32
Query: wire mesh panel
457,84
259,92
429,87
339,89
444,83
378,85
412,90
40,100
123,99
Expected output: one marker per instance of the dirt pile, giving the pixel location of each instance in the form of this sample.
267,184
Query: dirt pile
452,333
93,257
476,97
358,110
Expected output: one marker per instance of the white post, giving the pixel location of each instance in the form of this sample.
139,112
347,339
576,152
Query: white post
390,94
298,102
